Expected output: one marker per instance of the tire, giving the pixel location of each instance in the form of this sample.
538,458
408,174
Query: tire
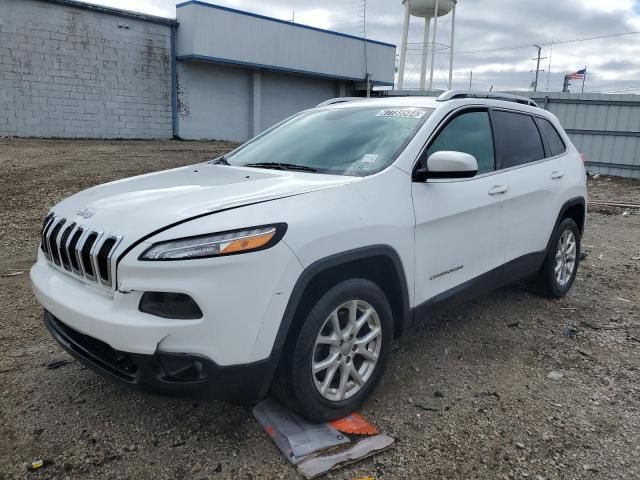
311,394
553,284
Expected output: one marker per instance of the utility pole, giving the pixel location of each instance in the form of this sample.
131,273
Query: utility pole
535,84
471,80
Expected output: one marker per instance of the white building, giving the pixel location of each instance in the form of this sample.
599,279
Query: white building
240,73
76,70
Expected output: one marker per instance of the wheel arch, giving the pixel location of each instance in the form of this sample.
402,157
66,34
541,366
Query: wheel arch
380,264
576,209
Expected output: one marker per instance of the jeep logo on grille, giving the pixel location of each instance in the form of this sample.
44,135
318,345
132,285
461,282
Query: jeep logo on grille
85,212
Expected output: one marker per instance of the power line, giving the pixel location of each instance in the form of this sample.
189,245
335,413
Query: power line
553,42
543,44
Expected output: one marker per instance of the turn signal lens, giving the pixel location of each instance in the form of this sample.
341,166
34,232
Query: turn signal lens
219,244
250,243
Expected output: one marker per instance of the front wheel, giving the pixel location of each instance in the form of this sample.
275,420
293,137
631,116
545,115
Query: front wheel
561,263
340,353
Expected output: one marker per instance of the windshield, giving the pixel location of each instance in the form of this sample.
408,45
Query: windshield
355,141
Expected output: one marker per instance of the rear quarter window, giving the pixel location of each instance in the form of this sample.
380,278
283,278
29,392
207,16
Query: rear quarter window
554,140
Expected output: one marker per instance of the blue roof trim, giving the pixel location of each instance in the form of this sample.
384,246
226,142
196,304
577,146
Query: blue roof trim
277,20
240,63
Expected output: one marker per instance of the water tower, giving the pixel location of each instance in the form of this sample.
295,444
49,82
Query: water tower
426,9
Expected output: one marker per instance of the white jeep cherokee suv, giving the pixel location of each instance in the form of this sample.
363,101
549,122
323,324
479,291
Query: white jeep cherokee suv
292,263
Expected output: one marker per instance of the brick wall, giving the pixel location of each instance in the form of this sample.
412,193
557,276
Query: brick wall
76,73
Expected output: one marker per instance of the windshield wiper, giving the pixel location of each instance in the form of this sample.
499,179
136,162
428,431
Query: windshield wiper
281,166
220,161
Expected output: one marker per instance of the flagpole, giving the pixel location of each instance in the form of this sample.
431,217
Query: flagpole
584,78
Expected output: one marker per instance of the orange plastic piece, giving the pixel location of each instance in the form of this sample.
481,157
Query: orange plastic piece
355,425
248,243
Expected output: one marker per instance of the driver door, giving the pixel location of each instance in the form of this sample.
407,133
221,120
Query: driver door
460,236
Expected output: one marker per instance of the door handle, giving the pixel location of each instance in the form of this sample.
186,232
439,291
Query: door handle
557,175
498,190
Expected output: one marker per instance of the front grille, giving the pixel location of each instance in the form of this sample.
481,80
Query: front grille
78,250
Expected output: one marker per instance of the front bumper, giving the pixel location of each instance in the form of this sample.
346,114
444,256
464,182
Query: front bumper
242,299
186,375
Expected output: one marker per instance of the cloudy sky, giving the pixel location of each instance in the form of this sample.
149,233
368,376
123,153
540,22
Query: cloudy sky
494,38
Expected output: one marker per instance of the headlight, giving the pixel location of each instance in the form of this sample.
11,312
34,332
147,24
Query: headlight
218,244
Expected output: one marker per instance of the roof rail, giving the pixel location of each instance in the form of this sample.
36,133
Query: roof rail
333,101
457,94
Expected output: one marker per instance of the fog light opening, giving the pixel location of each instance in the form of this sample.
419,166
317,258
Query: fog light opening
176,306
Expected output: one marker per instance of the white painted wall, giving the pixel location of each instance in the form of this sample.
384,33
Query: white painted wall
213,102
223,34
283,95
220,102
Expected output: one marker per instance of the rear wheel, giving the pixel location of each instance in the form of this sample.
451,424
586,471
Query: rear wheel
561,263
340,352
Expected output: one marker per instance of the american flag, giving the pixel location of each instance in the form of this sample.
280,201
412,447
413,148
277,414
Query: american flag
579,75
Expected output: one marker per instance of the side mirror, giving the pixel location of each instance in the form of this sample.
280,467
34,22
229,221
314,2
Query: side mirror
447,165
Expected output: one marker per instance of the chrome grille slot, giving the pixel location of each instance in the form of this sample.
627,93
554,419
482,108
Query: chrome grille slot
85,255
63,247
72,252
78,250
52,240
104,259
46,224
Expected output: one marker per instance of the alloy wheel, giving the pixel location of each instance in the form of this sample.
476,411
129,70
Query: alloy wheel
346,350
565,258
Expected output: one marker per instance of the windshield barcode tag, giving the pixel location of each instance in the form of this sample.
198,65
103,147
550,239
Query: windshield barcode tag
401,113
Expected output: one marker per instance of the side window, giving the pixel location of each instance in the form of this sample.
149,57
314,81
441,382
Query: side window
468,133
518,140
556,145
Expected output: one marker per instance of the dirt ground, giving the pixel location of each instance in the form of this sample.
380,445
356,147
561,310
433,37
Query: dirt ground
467,397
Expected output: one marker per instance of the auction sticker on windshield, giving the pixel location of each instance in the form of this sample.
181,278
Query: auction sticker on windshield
370,158
401,113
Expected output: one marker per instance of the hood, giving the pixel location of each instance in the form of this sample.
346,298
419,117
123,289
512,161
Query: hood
137,206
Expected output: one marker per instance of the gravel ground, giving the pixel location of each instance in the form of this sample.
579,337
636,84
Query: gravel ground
468,396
